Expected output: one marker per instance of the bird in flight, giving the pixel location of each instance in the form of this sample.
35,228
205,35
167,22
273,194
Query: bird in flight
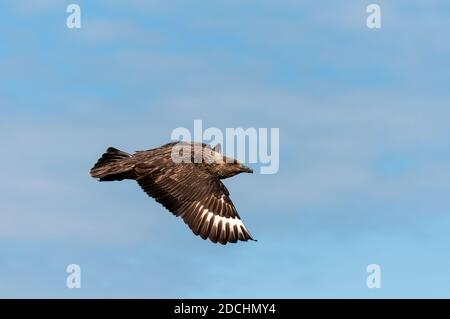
185,178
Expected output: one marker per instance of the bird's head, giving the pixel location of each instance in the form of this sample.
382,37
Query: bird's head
238,166
225,166
228,167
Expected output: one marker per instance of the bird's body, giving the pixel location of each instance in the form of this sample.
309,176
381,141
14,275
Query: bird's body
188,186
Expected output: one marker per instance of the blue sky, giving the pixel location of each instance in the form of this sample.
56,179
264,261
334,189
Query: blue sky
364,124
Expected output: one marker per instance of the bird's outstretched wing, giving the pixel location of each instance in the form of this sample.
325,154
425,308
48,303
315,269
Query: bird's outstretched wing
199,198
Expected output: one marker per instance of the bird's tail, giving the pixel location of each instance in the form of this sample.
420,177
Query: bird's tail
114,165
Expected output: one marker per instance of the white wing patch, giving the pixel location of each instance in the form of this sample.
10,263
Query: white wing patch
230,220
236,227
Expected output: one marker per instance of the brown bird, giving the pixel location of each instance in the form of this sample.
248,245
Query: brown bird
185,178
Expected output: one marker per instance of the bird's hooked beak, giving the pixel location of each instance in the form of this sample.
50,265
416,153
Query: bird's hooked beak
246,169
